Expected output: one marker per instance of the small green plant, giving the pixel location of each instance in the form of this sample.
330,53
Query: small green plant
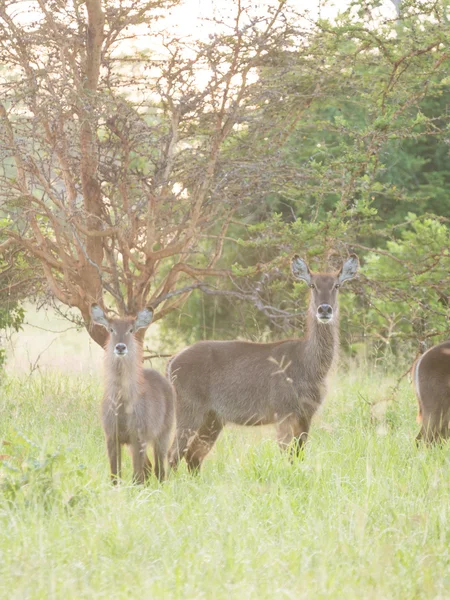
11,317
28,474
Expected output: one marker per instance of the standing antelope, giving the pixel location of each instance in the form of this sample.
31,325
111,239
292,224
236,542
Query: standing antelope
138,404
431,373
256,384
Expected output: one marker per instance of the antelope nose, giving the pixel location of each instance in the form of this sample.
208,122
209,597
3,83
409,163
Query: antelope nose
325,310
120,348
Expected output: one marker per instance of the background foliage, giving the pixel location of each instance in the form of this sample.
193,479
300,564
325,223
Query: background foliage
363,168
189,179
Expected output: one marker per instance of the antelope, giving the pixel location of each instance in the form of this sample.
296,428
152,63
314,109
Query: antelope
138,404
431,375
247,383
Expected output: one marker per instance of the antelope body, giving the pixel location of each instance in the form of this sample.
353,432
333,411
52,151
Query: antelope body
245,383
138,404
431,375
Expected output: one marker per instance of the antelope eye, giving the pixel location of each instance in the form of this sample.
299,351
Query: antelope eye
337,286
131,330
111,330
312,286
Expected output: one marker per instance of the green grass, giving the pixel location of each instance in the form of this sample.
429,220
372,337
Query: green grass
364,515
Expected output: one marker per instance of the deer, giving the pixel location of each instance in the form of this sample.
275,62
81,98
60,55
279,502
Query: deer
431,376
138,406
249,383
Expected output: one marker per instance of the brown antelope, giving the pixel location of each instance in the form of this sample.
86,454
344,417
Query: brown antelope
431,374
246,383
138,404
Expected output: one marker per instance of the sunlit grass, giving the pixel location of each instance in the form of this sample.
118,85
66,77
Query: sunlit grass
364,515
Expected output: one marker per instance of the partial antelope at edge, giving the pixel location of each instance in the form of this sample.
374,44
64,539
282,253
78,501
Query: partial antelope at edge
246,383
431,376
138,404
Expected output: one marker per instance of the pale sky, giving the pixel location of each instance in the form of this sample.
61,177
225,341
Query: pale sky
189,18
188,15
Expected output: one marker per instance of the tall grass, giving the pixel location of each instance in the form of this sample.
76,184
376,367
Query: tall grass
364,515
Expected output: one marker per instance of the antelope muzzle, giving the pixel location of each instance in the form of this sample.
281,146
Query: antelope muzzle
325,313
120,349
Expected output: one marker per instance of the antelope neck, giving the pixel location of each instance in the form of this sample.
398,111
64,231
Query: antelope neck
321,343
124,374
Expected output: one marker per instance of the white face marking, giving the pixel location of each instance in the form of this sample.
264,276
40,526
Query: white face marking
121,354
324,321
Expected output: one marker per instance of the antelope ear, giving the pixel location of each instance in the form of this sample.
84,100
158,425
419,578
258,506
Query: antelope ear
349,268
98,316
143,318
300,269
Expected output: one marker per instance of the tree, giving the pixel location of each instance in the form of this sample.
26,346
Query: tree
144,176
113,161
364,169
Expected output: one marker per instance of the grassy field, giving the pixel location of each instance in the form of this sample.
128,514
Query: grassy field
364,515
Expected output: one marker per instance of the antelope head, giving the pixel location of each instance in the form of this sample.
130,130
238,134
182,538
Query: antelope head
324,286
